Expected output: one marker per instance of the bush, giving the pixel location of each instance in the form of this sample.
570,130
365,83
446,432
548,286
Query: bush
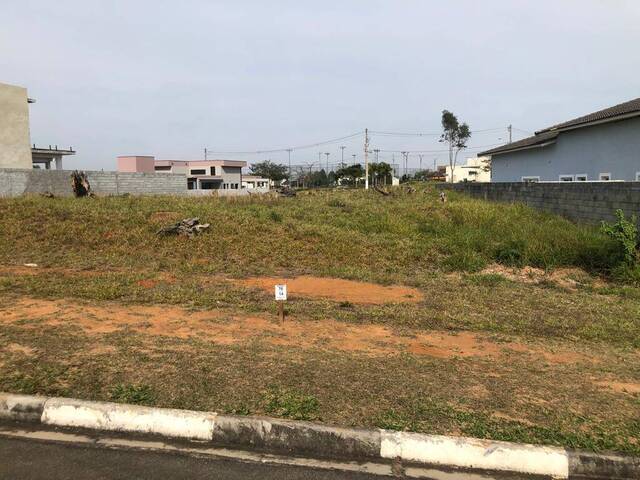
625,233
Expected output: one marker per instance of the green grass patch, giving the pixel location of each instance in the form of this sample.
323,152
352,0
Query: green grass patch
135,394
290,404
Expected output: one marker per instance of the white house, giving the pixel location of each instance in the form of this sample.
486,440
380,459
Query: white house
476,169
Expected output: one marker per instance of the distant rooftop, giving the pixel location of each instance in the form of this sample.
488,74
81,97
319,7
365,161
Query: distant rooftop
52,150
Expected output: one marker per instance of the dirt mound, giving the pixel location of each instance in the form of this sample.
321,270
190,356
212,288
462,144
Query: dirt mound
223,328
338,289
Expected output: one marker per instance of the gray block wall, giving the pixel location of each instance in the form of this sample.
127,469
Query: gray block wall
16,182
578,201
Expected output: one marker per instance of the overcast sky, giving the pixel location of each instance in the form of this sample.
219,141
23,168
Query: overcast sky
169,78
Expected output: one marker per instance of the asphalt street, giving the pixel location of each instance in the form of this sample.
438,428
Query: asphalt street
36,460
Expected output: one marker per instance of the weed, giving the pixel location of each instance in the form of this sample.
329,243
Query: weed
511,253
290,404
466,261
337,203
275,216
135,394
625,233
487,279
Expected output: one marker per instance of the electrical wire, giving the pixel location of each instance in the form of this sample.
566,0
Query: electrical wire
478,147
299,147
409,134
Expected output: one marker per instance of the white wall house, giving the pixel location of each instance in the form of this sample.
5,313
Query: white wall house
255,183
475,170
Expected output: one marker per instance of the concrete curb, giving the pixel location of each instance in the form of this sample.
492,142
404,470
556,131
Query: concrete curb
304,438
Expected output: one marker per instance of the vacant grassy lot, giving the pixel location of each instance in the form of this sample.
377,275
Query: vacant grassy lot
465,342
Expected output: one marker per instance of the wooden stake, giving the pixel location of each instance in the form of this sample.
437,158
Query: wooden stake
281,310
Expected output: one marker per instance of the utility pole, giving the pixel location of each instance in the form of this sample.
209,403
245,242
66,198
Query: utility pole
421,155
510,128
404,156
366,159
205,154
342,147
354,158
327,154
289,150
376,151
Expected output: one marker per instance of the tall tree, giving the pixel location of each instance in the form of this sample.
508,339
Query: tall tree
455,135
380,173
270,170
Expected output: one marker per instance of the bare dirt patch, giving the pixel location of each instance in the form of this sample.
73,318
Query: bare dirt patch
147,283
24,350
222,327
338,289
568,278
20,270
621,387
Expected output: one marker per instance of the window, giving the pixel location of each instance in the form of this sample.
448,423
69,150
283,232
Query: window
605,177
163,168
198,171
531,179
581,177
637,176
213,171
566,178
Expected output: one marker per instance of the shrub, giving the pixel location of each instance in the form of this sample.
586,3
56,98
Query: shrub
625,233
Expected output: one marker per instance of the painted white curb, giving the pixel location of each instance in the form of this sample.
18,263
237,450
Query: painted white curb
308,438
65,412
474,453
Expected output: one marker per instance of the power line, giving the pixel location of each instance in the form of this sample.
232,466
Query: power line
299,147
346,137
418,134
523,131
477,147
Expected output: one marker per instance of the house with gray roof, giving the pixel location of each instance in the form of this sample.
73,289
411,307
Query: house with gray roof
600,146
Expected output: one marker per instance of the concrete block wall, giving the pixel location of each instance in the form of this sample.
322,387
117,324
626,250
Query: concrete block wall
579,201
16,182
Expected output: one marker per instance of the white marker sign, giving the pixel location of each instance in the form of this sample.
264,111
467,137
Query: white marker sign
281,292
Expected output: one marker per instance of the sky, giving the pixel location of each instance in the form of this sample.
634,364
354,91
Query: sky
169,79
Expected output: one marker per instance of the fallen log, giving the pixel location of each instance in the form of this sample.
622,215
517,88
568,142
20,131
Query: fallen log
381,190
189,227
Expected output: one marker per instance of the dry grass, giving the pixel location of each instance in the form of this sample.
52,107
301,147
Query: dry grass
559,358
